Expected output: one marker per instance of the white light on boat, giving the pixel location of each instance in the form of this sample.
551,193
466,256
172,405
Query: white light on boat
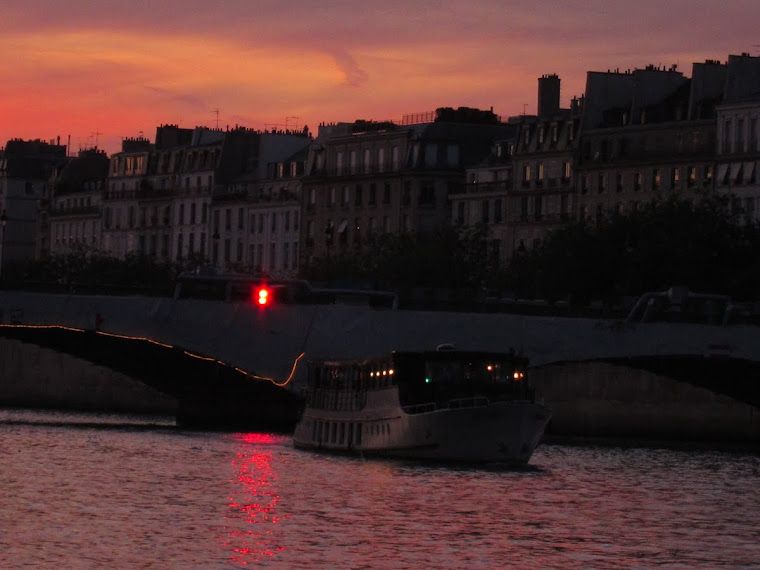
385,372
489,367
517,375
371,374
390,371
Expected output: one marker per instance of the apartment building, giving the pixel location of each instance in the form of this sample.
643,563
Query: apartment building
25,170
483,199
127,183
646,135
544,157
738,149
200,167
176,199
256,213
260,219
367,178
74,210
524,188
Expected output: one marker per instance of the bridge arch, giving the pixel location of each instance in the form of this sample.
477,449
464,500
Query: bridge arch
207,391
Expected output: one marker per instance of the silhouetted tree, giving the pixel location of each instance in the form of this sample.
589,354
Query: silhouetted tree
673,242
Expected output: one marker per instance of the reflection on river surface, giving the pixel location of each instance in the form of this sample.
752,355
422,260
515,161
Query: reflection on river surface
86,491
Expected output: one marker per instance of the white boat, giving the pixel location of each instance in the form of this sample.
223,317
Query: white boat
447,405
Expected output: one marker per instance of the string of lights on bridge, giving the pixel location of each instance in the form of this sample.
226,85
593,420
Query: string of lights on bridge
165,345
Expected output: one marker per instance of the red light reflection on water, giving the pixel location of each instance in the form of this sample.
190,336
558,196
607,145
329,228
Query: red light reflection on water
256,437
250,527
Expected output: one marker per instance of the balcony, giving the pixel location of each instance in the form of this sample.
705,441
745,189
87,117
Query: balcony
501,186
541,218
77,211
359,171
150,193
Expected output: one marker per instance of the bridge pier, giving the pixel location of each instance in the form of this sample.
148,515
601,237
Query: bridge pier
601,399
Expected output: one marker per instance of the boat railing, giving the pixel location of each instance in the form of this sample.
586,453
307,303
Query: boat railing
420,408
458,403
471,402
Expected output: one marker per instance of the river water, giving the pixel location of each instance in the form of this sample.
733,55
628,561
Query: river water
86,491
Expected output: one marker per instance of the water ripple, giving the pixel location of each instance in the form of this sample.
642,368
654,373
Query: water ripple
90,497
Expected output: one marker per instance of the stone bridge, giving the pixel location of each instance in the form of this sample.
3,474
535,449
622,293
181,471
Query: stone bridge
602,377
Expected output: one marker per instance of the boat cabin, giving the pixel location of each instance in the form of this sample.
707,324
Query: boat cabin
441,378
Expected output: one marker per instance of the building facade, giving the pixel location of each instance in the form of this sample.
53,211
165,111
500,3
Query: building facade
74,213
180,199
264,220
651,141
365,179
26,168
544,158
738,137
484,199
127,183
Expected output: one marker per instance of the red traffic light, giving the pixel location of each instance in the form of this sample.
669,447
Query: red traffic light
262,296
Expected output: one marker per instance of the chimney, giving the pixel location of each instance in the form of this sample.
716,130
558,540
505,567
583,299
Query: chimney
548,95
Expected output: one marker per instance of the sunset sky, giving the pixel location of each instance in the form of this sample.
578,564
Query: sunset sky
111,69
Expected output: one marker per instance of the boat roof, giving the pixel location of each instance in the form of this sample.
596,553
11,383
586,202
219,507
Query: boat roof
428,355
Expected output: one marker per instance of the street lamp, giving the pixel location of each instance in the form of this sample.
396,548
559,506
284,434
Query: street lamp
3,223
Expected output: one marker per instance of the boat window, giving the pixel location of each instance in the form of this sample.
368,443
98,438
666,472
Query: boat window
358,434
448,372
485,371
313,430
334,432
468,371
336,378
342,432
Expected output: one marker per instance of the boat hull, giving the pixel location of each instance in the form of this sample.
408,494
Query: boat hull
501,432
